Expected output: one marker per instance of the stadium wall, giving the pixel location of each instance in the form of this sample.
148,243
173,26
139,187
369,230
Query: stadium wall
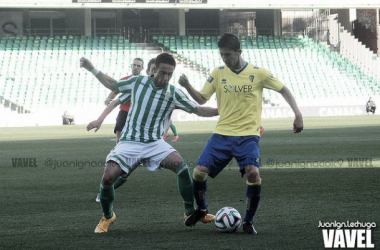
82,116
285,112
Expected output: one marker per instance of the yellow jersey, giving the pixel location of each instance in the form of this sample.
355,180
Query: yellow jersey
239,97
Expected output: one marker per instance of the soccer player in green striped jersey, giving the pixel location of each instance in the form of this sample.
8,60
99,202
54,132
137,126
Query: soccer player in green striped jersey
152,102
137,66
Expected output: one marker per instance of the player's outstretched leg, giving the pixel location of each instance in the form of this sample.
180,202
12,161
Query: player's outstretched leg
199,187
253,198
184,184
175,135
107,195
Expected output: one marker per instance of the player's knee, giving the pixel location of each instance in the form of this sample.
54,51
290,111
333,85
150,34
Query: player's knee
107,180
199,175
110,175
252,173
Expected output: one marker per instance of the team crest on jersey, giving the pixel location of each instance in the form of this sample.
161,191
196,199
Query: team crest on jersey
167,95
210,79
221,67
251,77
256,67
224,81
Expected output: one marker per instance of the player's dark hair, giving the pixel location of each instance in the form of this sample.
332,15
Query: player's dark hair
151,61
139,59
165,58
229,41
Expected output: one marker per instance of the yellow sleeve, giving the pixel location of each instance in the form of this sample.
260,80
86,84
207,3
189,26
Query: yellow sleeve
210,85
271,82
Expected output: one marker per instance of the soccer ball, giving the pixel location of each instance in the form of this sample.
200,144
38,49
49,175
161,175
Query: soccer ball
228,220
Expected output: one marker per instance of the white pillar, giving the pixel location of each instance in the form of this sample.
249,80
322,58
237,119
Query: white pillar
182,22
87,22
277,23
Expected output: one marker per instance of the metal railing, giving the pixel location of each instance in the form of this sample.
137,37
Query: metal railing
52,32
173,32
107,32
203,32
60,32
207,32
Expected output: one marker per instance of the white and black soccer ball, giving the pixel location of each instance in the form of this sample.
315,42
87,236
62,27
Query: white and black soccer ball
228,220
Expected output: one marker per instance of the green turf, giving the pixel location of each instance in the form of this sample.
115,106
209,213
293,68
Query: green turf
53,207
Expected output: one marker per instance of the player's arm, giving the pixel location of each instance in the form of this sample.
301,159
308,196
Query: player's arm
206,111
97,123
298,121
110,97
196,95
104,79
183,102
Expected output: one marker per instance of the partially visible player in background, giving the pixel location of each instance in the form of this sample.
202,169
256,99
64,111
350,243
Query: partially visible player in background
238,86
98,122
137,67
173,129
262,129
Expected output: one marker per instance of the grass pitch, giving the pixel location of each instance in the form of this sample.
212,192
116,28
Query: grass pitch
50,177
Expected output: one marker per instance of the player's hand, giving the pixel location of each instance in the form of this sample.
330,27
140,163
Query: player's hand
94,124
298,124
85,63
183,81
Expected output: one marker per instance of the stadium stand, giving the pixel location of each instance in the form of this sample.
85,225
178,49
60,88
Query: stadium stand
313,72
40,73
51,76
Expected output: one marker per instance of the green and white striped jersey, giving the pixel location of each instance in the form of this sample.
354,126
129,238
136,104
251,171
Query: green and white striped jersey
123,98
151,108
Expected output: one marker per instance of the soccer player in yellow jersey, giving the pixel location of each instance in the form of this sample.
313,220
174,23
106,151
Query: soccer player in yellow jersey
238,86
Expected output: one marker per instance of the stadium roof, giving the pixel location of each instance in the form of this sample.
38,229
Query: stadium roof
194,4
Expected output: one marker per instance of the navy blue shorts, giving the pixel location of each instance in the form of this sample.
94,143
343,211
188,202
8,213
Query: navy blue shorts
220,150
120,120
